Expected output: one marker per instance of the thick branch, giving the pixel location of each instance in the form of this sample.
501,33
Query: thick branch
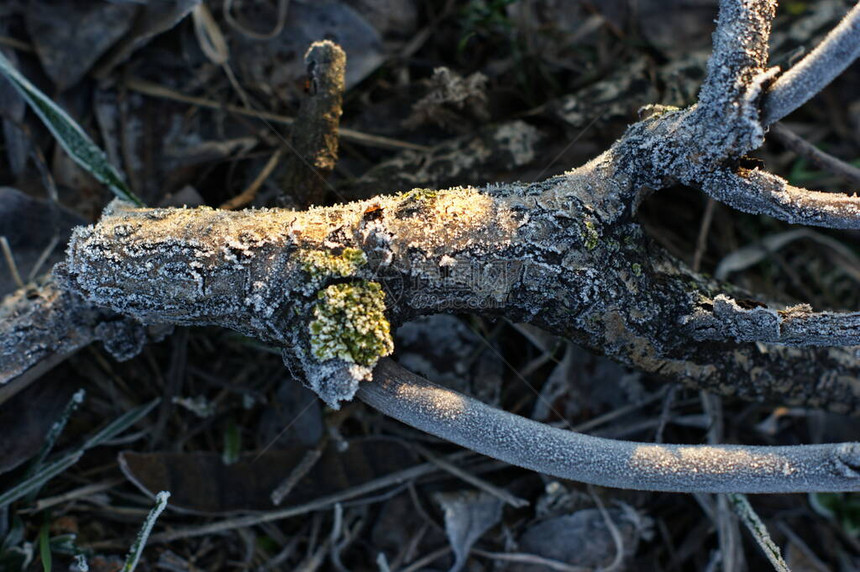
624,464
814,72
561,254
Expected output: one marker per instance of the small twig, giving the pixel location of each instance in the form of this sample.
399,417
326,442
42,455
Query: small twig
530,560
477,482
815,71
209,36
819,158
283,5
75,494
159,91
43,257
321,503
751,520
702,239
10,261
618,560
16,44
811,557
309,460
421,563
623,464
752,254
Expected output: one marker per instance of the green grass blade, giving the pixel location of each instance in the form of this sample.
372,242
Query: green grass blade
47,472
69,134
137,548
57,428
121,423
35,482
45,545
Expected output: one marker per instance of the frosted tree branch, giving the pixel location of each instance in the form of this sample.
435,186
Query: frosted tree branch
557,253
736,73
567,254
760,192
797,326
607,462
42,325
815,71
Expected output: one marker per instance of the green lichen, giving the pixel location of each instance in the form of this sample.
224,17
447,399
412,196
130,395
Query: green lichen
591,236
349,323
421,194
637,269
321,265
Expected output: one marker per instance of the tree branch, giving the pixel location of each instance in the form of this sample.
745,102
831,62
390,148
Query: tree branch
314,134
42,325
759,192
814,72
736,75
798,326
624,464
557,253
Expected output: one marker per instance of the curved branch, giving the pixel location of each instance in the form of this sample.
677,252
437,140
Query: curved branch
759,192
623,464
812,74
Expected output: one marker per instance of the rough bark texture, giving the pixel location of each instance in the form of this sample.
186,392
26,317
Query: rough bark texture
44,324
564,253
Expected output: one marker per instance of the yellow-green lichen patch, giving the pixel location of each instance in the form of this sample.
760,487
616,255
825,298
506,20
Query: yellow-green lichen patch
325,264
349,323
421,194
591,236
637,269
